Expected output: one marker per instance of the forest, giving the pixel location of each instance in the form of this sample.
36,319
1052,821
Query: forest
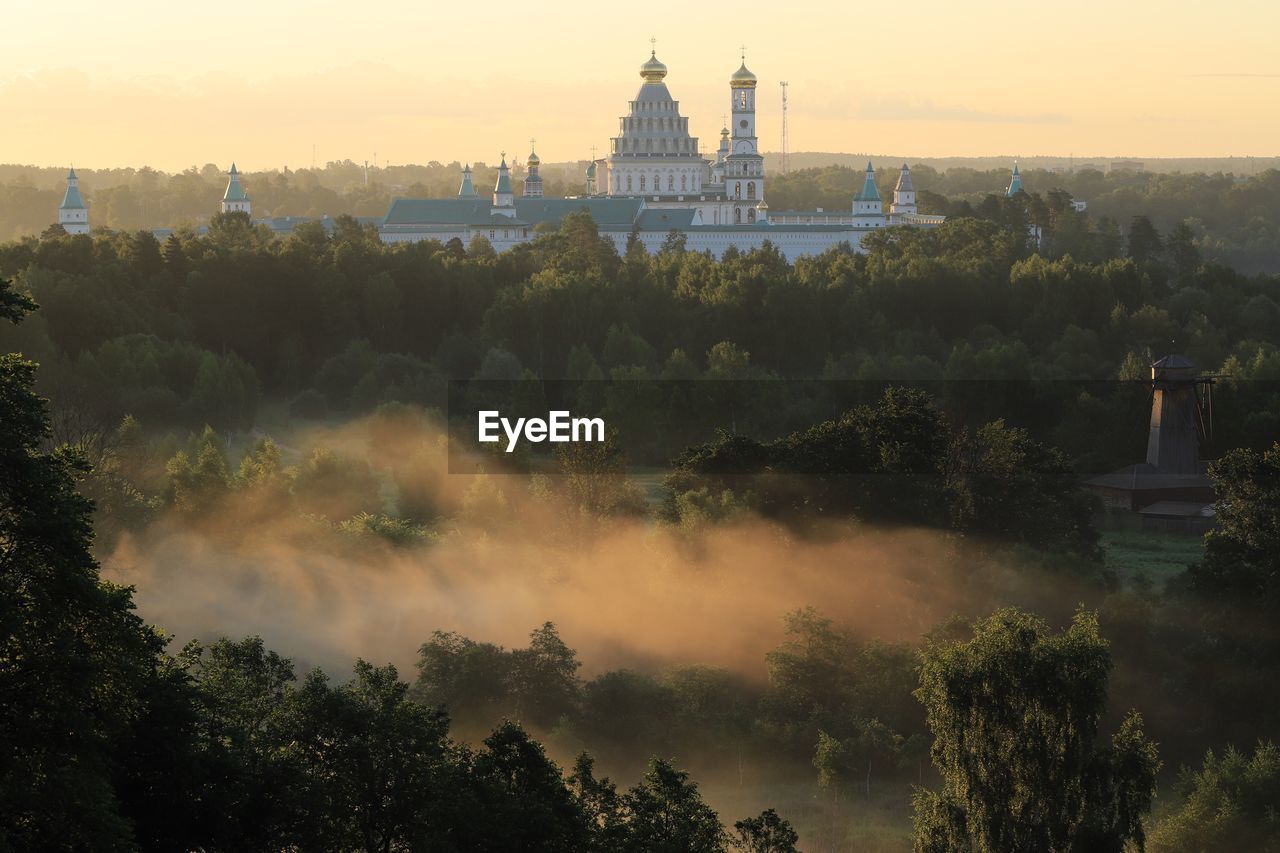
257,599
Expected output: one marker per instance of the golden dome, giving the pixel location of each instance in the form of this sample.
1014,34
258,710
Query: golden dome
532,159
653,71
742,78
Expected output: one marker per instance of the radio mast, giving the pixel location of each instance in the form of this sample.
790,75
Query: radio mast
783,84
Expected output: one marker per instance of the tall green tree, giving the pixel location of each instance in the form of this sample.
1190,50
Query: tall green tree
1145,245
1014,712
1231,803
1183,251
74,659
766,833
1242,552
666,814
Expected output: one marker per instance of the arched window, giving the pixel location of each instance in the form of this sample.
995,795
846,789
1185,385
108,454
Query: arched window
671,183
751,189
751,215
684,182
628,183
737,190
742,100
642,183
657,182
737,216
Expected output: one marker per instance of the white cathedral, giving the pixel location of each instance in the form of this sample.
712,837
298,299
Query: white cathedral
655,181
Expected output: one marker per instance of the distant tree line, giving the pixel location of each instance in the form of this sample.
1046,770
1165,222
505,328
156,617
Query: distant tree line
201,330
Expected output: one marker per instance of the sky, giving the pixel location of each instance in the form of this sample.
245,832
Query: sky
276,83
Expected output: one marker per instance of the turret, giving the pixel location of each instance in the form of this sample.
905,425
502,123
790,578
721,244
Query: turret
904,194
234,200
867,202
533,180
1015,183
73,216
504,199
467,189
717,168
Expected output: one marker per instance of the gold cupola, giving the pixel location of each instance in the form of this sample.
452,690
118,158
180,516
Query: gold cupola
653,71
743,78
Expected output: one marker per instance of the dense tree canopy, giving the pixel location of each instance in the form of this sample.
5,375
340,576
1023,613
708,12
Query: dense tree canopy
1015,712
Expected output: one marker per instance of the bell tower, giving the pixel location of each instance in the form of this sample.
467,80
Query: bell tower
744,165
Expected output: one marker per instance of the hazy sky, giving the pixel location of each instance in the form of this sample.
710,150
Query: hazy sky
171,85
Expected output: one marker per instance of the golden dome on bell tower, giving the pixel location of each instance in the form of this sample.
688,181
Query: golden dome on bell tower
743,78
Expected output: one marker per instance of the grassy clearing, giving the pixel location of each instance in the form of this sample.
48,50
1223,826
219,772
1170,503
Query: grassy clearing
1159,556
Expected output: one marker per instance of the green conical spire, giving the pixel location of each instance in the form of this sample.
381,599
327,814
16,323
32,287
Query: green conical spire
467,190
72,200
1015,183
234,191
503,187
870,192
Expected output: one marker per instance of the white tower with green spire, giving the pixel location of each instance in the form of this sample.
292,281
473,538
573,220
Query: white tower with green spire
868,208
744,165
234,200
504,199
73,216
1015,183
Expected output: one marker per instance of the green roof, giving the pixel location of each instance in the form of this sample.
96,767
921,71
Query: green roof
72,200
870,192
605,211
423,212
666,218
1015,185
467,190
439,211
234,192
504,180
